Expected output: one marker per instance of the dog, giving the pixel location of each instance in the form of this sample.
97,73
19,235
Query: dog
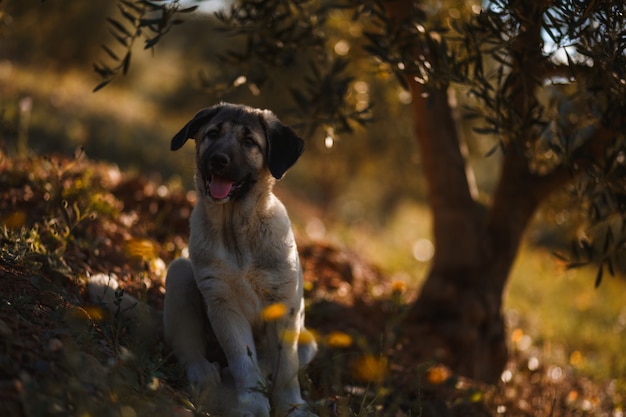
242,287
243,263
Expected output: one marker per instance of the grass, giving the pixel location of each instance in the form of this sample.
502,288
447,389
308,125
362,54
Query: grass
558,322
559,309
566,316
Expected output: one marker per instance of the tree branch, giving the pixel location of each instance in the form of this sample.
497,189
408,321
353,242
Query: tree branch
564,71
515,200
454,210
592,150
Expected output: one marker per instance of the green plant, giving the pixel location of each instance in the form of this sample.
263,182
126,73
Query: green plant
142,19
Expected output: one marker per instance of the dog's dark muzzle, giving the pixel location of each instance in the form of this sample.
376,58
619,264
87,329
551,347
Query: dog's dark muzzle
218,161
221,180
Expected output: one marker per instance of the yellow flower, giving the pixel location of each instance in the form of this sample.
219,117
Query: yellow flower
339,340
141,248
77,314
476,396
95,313
438,374
572,396
273,312
398,287
370,368
304,337
576,358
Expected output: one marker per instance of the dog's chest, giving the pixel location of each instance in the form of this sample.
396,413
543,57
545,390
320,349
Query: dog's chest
248,286
252,276
248,260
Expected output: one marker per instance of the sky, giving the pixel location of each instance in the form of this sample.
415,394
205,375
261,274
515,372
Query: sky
206,6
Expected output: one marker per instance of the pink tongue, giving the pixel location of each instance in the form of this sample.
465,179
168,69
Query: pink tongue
220,188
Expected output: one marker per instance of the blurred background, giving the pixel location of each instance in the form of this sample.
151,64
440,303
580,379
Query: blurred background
365,178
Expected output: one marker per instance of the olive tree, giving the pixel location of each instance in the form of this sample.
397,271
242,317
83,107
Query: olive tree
544,79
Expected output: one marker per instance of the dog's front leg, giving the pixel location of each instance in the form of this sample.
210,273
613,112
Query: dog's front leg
283,337
234,334
184,323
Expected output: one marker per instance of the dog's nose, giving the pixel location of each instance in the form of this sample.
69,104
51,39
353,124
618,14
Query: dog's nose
219,160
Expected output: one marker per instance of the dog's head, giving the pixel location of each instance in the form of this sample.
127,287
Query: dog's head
237,145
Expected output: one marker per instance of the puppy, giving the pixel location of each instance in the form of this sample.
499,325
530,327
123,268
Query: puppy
243,281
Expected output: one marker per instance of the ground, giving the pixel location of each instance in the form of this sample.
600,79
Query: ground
65,219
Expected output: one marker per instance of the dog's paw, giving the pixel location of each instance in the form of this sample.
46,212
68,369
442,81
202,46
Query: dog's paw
253,404
307,349
203,372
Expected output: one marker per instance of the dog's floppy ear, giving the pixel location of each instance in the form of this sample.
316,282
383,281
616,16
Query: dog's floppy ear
284,146
191,128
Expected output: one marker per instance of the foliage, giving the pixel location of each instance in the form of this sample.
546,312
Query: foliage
54,213
280,34
272,35
149,20
574,113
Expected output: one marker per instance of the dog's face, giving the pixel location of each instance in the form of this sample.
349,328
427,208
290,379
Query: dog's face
235,147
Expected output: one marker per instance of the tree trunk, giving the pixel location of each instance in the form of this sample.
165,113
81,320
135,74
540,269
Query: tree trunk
457,318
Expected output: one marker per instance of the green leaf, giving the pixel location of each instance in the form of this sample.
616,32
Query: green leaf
126,63
103,70
109,52
150,4
588,248
484,130
149,22
152,41
609,264
599,276
128,16
402,80
188,9
122,41
101,85
131,5
560,256
492,151
608,239
119,27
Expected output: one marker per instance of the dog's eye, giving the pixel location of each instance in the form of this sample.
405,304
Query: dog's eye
212,134
249,141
